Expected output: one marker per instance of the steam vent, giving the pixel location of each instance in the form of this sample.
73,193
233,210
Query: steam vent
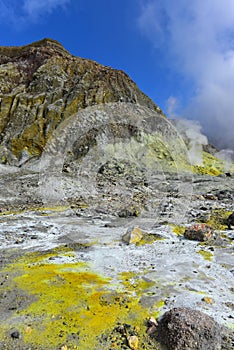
116,226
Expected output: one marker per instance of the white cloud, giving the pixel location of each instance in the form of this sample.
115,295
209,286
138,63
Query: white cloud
34,8
21,12
152,21
198,40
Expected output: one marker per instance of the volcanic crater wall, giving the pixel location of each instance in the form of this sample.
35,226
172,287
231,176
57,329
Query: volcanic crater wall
42,84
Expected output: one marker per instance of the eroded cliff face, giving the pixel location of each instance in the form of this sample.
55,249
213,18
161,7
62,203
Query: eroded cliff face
42,84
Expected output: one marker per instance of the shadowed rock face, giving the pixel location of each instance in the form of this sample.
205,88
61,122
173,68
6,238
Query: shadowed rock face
230,221
42,84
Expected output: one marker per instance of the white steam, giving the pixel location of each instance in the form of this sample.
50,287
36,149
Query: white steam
196,39
191,132
227,156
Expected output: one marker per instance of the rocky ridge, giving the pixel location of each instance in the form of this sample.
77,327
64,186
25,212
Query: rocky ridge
42,84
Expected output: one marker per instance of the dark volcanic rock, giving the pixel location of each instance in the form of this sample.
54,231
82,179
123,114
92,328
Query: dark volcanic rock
199,232
182,328
15,334
230,221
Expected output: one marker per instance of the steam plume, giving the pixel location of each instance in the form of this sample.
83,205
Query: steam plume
197,41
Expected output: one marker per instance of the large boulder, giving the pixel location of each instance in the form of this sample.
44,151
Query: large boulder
199,232
188,329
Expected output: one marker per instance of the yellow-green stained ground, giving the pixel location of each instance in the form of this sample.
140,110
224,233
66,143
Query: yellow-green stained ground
178,230
206,255
211,166
47,211
217,219
72,304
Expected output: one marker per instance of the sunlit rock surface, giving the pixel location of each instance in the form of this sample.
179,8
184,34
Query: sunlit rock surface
42,84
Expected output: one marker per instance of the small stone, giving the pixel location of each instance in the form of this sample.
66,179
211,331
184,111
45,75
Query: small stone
208,300
15,334
137,329
28,330
152,329
64,347
210,197
230,221
133,342
61,334
152,321
126,213
132,236
19,241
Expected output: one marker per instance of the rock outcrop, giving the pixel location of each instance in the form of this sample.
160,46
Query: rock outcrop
42,84
181,329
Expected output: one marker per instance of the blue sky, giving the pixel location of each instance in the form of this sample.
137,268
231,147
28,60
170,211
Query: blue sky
182,57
